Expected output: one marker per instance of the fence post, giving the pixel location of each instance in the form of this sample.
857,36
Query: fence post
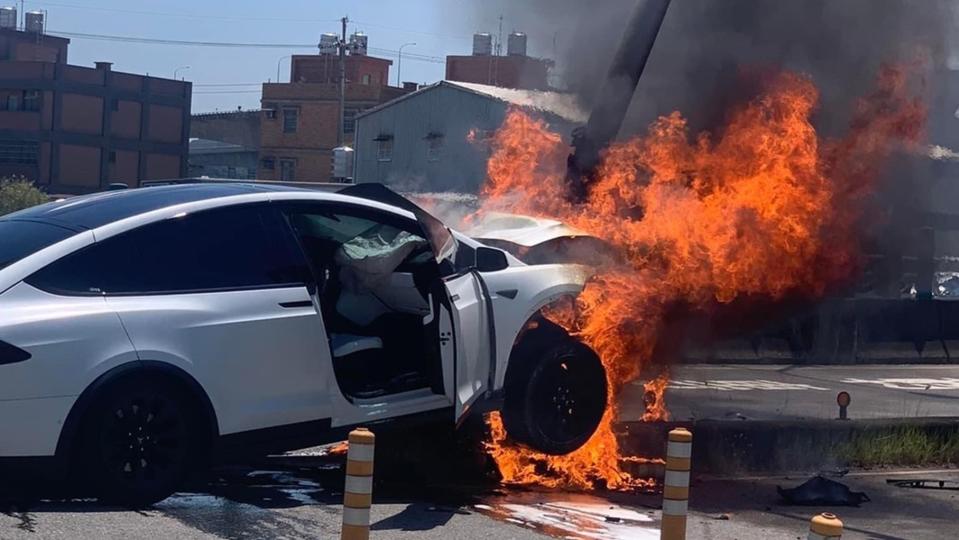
679,450
825,526
358,493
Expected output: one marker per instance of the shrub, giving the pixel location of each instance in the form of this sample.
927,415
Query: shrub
19,193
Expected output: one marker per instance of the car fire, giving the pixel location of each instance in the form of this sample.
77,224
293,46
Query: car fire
765,209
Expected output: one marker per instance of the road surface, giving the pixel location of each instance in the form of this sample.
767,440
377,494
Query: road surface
771,392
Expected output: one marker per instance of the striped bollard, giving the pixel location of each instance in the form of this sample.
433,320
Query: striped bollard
676,490
825,526
358,493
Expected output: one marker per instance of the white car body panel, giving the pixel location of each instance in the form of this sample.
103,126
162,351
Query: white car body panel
73,341
536,287
261,364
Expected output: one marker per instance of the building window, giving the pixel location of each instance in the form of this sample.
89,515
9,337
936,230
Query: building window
114,104
20,152
434,146
349,119
13,102
268,163
112,156
288,170
31,100
366,79
384,148
290,118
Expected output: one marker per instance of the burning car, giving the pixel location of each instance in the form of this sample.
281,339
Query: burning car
143,329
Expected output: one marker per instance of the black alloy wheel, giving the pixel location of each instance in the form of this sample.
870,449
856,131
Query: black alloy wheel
556,404
140,442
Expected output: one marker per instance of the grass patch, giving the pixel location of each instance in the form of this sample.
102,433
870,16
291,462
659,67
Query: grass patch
902,446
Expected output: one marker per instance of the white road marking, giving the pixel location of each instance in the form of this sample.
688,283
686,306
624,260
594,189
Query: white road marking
739,385
946,383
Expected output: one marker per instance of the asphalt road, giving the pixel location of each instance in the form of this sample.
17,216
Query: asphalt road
770,392
261,503
243,503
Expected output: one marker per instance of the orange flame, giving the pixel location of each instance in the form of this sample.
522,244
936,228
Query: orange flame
762,209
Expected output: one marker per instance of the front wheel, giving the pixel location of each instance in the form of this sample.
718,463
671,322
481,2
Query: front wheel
139,442
556,397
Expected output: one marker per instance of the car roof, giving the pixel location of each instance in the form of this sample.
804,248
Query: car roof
91,211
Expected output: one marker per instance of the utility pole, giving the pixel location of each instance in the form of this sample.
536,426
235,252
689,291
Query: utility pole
341,134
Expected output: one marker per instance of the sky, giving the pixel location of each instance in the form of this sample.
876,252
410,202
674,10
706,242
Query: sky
437,27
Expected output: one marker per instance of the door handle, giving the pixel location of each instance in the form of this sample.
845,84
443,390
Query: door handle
296,304
455,297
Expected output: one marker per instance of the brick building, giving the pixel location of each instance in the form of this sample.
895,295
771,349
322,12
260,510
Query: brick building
32,47
74,129
514,71
300,120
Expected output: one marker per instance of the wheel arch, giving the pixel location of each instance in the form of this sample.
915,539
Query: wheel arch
71,426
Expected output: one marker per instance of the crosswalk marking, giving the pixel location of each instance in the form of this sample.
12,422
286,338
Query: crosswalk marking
739,385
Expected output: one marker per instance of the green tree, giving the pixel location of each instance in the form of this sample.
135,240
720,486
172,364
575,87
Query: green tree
18,193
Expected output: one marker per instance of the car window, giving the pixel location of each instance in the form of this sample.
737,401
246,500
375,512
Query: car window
224,249
19,239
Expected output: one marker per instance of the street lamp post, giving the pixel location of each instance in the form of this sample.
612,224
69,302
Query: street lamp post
278,62
178,70
399,64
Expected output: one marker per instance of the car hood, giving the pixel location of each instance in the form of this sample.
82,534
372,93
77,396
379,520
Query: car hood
526,231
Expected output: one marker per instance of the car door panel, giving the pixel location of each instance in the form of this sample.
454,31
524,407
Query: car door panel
261,363
471,326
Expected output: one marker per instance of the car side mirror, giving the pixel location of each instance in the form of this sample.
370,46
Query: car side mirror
491,259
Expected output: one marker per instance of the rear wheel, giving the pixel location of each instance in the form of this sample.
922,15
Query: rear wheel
140,440
556,398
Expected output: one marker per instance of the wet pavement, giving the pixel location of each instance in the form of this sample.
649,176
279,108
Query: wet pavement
298,497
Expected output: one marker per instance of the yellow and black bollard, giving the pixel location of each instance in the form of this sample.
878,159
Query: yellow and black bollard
679,452
825,527
358,493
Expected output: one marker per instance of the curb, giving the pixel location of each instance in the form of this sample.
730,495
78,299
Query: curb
734,447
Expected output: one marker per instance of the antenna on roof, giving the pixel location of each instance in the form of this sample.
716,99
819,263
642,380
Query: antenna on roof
499,37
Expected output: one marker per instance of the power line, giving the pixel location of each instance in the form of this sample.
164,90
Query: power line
228,92
227,84
182,15
225,44
156,41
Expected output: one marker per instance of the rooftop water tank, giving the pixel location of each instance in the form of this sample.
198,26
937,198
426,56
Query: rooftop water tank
35,21
360,42
482,44
516,44
328,43
8,17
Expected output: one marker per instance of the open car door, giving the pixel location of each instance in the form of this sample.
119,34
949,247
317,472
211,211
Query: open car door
466,336
470,362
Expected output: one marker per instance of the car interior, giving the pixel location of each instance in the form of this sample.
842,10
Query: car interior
379,290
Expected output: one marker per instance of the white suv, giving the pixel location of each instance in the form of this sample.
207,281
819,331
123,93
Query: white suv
142,331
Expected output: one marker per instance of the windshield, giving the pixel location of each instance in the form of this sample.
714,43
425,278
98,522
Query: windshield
19,239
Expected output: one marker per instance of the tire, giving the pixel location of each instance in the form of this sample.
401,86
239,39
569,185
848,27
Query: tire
556,396
140,441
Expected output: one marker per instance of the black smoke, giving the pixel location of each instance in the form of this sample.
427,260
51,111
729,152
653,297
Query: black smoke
708,49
